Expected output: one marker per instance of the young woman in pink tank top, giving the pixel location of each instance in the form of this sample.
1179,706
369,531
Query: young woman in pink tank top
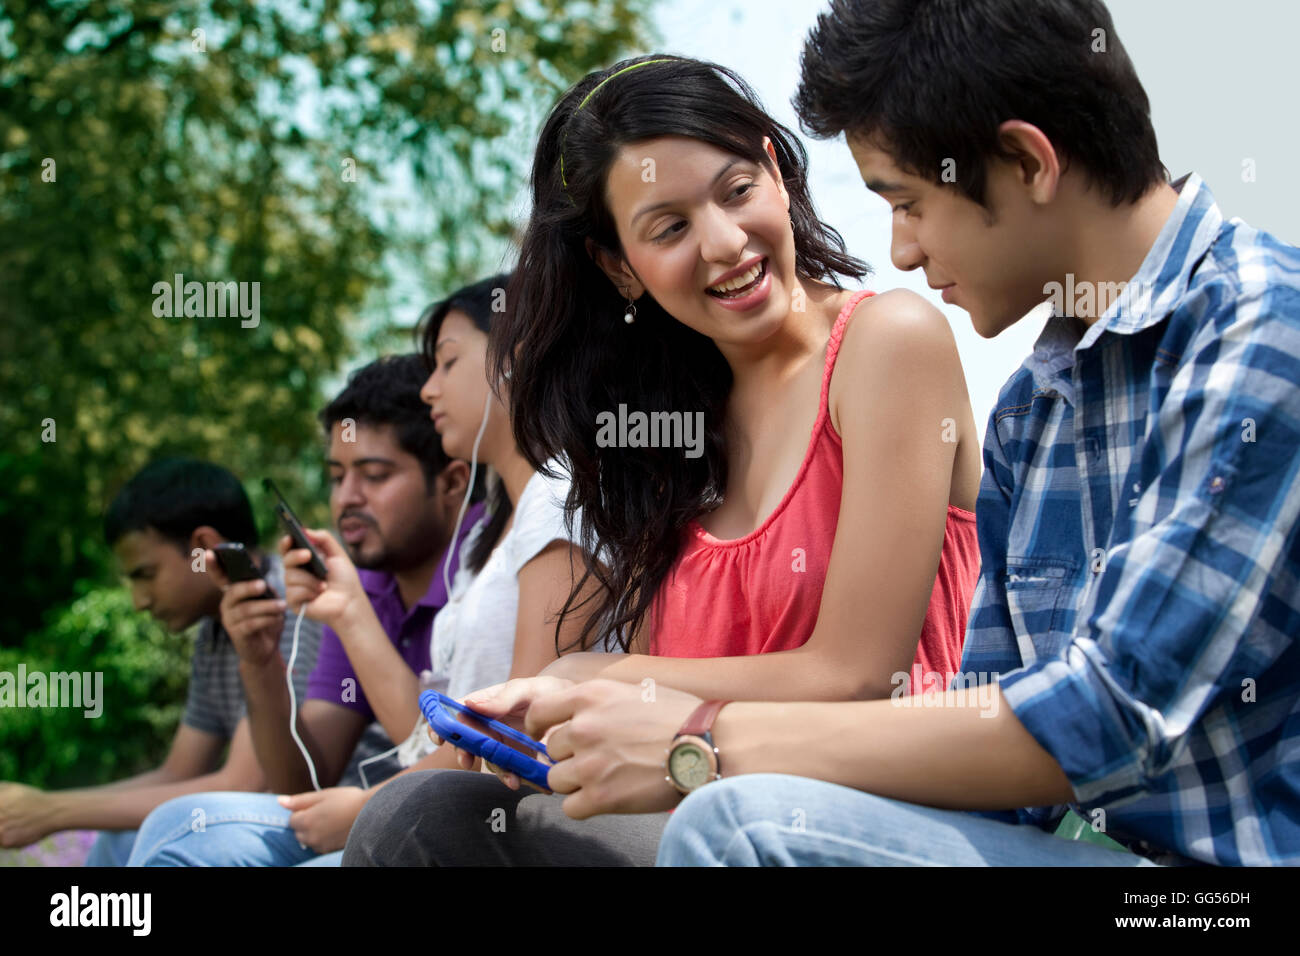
781,472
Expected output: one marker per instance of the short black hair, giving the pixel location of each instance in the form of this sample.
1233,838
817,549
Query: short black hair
932,80
173,496
387,392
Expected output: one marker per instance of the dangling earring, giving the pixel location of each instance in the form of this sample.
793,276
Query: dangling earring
630,315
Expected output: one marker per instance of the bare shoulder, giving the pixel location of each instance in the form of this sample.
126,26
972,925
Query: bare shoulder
897,333
899,381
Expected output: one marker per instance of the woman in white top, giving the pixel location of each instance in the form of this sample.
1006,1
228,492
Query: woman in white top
515,565
518,564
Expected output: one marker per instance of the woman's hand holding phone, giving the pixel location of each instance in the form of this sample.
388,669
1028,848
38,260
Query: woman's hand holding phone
330,601
508,703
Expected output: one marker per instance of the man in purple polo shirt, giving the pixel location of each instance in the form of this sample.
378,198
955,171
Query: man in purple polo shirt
394,498
335,680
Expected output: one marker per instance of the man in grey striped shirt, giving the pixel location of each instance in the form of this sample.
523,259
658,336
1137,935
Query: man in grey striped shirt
158,526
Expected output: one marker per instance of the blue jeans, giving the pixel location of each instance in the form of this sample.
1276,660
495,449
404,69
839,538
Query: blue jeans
223,829
111,848
776,820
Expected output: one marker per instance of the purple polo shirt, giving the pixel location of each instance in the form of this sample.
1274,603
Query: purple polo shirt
409,630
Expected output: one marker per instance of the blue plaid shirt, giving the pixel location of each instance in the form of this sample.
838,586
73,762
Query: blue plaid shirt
1139,593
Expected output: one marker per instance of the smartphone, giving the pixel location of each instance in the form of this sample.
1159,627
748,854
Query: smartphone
293,527
237,563
438,709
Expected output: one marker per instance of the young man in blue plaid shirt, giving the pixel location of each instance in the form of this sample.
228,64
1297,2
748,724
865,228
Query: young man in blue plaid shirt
1132,642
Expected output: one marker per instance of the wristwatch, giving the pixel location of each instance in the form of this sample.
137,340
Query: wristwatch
692,758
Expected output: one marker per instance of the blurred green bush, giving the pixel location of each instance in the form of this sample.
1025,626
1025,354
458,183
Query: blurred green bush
146,672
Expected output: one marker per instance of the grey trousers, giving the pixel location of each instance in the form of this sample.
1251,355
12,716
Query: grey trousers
460,818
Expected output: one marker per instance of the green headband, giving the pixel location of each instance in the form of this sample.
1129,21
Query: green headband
587,99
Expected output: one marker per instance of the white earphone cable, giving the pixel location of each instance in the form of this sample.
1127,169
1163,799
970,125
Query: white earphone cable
293,703
464,505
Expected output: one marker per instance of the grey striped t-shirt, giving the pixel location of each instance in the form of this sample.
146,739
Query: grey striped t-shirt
216,695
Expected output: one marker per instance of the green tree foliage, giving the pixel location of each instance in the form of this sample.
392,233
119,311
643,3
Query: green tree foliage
145,675
297,145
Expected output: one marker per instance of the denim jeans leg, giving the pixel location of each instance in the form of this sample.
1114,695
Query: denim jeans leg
111,848
325,859
219,829
777,820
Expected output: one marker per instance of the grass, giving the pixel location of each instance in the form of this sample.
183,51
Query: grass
68,848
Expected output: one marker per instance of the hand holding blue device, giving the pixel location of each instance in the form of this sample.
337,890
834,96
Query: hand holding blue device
438,709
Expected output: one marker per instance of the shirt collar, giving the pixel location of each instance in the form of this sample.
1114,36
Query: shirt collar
1148,298
1161,281
1052,359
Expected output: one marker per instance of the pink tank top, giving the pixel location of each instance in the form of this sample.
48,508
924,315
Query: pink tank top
762,592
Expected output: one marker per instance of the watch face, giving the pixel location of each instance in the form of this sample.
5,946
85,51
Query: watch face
689,766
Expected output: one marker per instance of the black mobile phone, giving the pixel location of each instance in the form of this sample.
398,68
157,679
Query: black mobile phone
293,527
238,564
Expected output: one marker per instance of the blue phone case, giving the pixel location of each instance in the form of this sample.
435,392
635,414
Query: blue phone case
443,721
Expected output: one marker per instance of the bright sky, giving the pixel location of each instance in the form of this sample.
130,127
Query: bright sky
1218,87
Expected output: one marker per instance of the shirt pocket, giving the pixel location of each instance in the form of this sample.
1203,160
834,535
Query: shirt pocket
1038,591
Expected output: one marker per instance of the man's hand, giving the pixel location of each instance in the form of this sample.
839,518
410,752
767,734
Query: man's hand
26,815
322,819
251,614
329,601
609,741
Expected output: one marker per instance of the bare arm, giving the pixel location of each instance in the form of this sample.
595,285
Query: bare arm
193,753
329,731
544,585
955,757
961,750
256,623
101,808
340,601
391,687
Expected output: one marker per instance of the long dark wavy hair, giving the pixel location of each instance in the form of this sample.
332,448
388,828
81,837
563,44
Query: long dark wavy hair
570,356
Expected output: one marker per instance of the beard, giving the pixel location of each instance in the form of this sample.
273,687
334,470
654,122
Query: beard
376,556
375,559
417,543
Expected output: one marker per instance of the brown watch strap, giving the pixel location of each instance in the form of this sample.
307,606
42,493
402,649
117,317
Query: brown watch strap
701,720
